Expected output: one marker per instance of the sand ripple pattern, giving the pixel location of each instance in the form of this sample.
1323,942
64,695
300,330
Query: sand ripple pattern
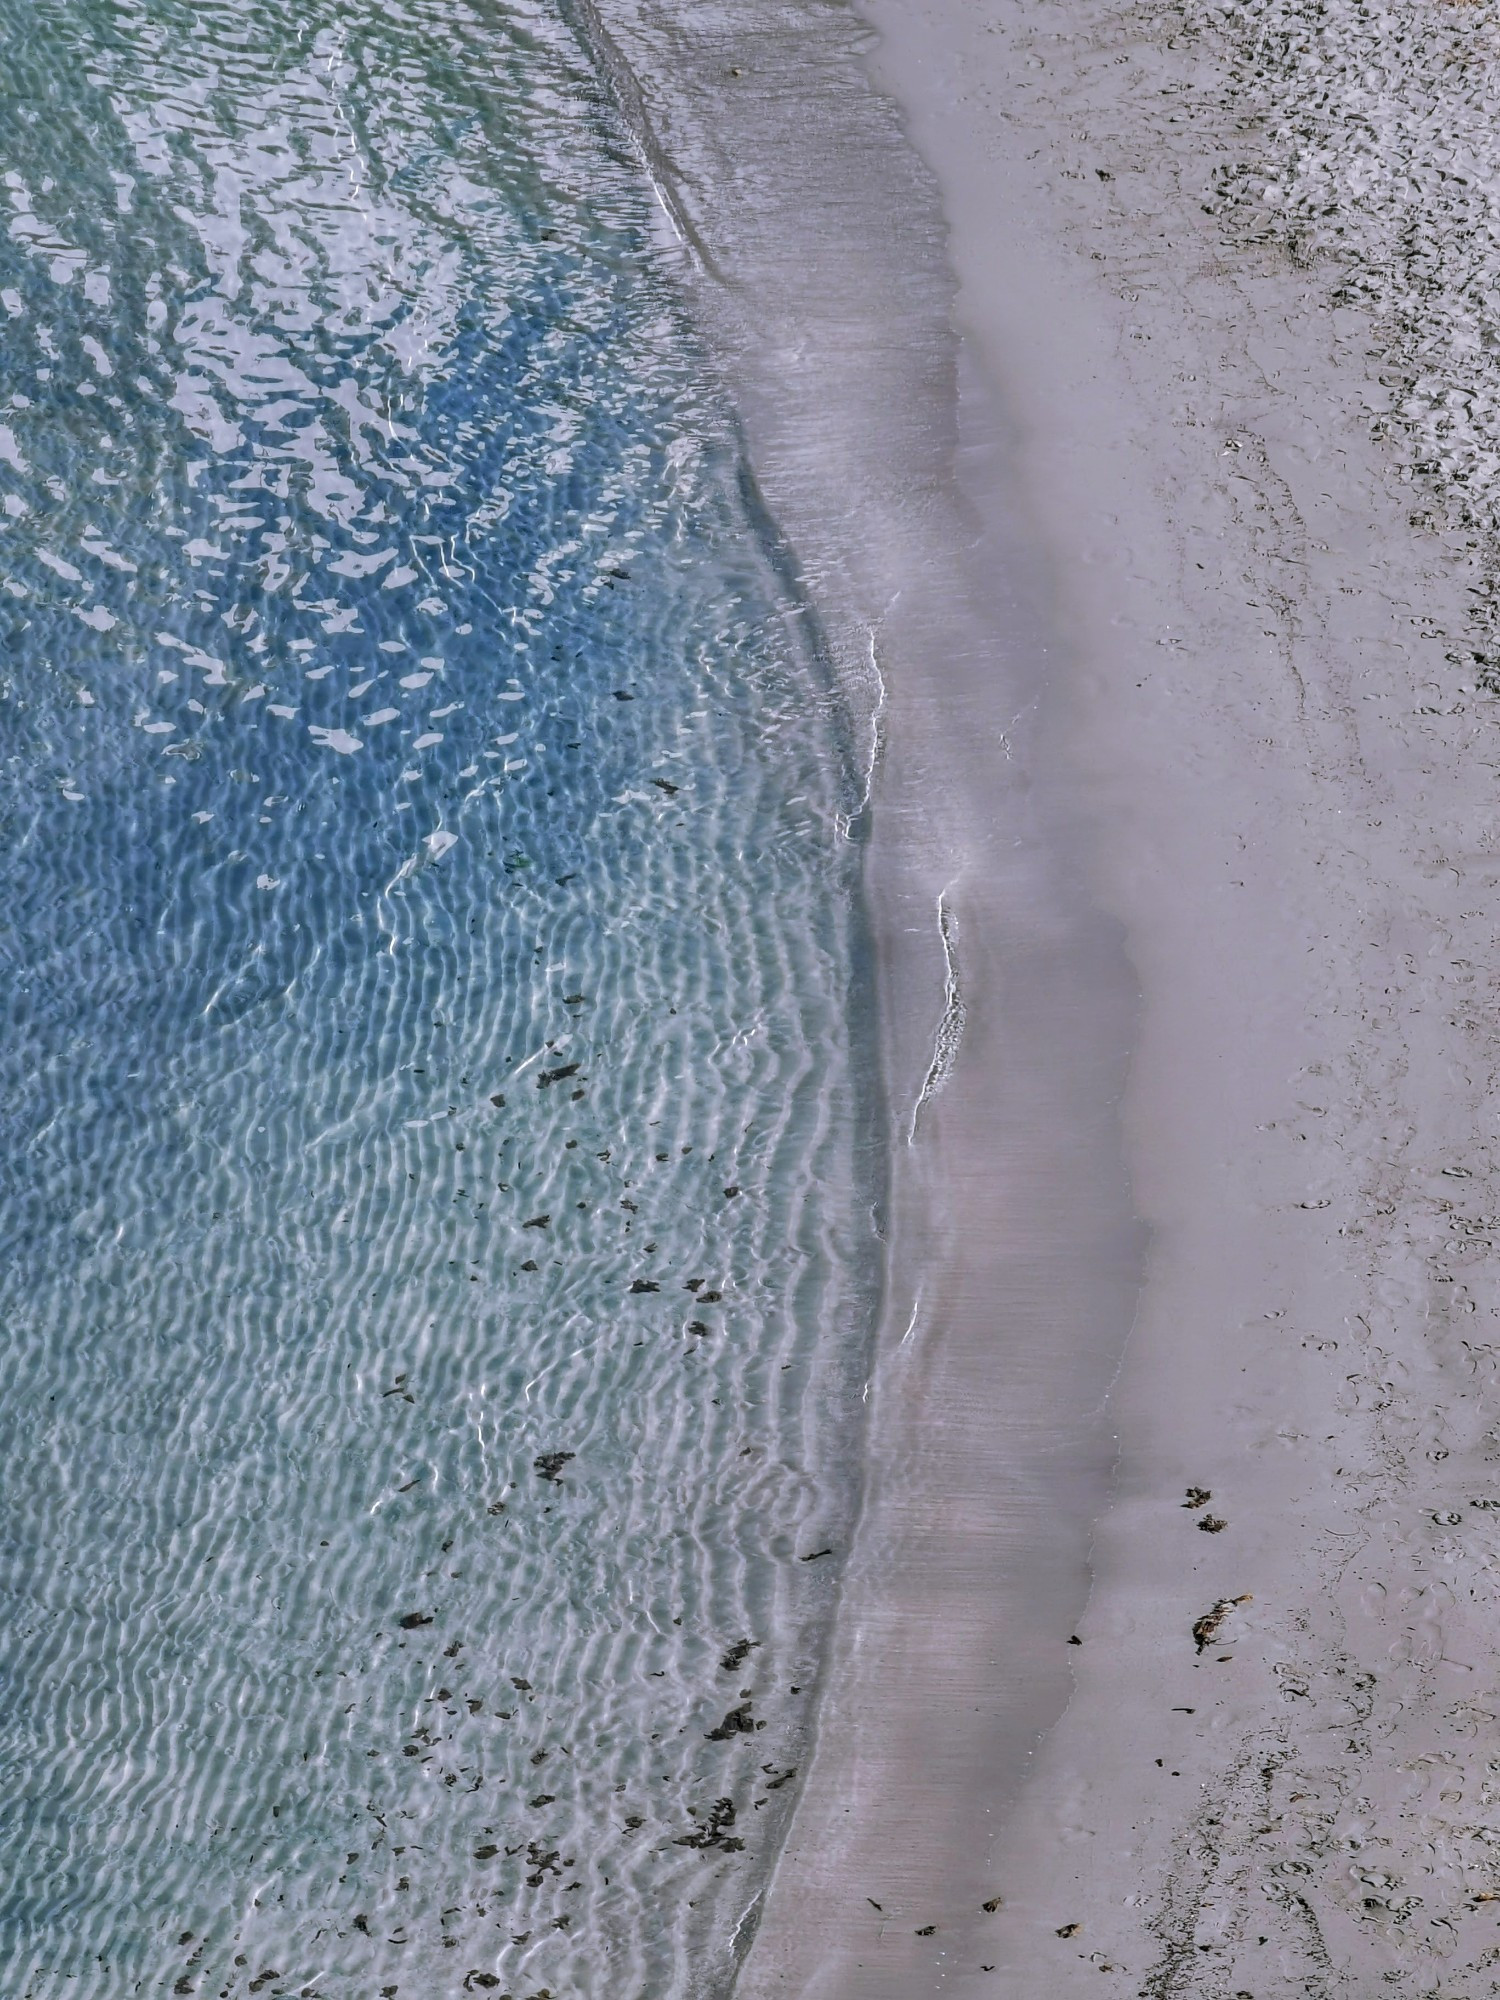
432,1177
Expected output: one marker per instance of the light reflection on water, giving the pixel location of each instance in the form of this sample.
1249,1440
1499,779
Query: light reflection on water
427,950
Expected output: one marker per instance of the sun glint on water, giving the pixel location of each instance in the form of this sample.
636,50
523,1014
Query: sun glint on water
435,1251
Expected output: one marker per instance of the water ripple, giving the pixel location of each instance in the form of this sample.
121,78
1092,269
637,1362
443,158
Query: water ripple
434,1281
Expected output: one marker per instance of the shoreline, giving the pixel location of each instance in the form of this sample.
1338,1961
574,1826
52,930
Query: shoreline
1012,1254
1179,734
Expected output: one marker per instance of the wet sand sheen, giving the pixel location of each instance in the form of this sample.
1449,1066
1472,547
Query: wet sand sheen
1183,736
1007,999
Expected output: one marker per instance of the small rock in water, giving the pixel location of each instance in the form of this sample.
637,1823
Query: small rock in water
412,1619
721,1816
738,1722
550,1464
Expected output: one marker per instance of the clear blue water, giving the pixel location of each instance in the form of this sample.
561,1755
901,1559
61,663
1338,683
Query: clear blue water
431,974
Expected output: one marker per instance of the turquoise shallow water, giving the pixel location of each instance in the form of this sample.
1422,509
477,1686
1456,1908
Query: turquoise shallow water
433,1164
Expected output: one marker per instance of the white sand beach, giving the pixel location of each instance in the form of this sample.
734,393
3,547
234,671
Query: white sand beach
1166,1661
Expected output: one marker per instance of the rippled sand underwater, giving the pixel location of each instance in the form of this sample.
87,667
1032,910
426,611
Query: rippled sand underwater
432,1173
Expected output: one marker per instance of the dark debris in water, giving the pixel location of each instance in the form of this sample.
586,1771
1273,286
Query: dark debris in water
714,1833
738,1722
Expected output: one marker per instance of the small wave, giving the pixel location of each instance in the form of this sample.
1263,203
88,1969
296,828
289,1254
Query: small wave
950,1028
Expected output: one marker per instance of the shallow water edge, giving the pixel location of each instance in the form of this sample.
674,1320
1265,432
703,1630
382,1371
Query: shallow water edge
1006,997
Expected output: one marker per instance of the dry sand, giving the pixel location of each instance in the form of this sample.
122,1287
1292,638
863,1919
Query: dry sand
1181,726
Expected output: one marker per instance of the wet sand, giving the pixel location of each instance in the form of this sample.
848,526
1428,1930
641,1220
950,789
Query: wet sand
1165,1631
1288,788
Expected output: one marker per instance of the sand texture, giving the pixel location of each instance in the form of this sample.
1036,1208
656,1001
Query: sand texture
1143,449
1256,459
